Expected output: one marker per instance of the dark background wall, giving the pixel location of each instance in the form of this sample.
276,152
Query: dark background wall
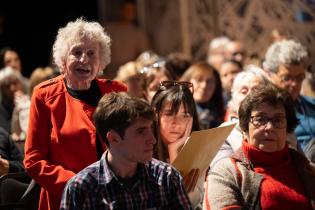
30,27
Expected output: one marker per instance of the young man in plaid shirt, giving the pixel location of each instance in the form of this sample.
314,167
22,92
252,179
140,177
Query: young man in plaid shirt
126,177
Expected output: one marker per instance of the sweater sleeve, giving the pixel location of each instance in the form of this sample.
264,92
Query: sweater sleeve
52,177
222,190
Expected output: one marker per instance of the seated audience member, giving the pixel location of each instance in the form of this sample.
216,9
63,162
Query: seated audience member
10,58
285,64
228,71
11,85
264,173
236,50
153,75
217,51
11,159
177,63
129,73
244,83
126,177
207,94
175,118
147,58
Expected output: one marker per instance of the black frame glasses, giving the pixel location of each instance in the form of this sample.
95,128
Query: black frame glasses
261,121
167,84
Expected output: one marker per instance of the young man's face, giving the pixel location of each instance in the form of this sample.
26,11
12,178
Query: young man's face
137,143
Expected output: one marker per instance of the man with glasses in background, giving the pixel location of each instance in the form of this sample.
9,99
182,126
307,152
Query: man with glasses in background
285,64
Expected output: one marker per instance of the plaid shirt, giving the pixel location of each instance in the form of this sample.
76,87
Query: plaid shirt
157,185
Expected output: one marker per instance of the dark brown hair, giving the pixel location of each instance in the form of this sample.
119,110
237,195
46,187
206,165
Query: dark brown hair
117,111
176,95
271,95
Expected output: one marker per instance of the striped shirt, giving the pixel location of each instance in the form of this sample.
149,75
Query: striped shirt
156,185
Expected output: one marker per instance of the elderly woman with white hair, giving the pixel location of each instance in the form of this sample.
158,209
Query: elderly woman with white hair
61,138
285,63
244,83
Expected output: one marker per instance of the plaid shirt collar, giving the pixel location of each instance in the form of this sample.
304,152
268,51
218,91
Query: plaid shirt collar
106,174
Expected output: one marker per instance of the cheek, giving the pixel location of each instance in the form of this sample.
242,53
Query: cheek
164,126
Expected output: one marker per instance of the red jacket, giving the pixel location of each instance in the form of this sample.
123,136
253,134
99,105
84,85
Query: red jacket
61,137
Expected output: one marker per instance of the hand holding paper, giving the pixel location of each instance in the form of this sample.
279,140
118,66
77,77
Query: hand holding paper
201,148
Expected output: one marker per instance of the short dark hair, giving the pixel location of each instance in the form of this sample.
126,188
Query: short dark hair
117,111
271,95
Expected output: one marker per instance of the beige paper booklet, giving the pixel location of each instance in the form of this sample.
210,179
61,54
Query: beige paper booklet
201,148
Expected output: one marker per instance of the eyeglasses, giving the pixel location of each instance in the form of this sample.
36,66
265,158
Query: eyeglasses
260,121
289,78
168,84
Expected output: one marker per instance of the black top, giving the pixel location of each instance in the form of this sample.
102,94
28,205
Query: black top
90,96
10,152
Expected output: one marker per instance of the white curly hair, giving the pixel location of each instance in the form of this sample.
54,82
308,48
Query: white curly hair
78,30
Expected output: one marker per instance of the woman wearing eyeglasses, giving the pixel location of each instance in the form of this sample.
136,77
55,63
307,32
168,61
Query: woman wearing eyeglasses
264,173
175,119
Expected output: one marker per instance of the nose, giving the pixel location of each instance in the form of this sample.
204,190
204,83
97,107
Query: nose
151,139
269,125
83,58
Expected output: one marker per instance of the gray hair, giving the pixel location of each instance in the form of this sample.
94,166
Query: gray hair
218,43
7,72
284,52
78,30
245,77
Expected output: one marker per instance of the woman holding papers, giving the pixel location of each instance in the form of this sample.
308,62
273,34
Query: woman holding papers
176,118
264,173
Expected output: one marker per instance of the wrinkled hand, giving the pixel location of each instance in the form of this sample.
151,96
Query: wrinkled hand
190,179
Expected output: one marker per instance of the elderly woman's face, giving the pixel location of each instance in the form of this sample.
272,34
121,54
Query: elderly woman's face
267,128
82,64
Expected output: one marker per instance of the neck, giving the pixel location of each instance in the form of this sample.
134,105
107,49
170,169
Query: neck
78,85
122,168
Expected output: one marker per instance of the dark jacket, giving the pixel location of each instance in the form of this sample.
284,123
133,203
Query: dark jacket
10,152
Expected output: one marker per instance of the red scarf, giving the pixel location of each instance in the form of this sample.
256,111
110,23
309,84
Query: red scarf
281,187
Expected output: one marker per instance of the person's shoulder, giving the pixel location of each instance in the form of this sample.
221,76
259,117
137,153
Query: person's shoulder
108,85
307,99
86,179
49,87
50,82
162,172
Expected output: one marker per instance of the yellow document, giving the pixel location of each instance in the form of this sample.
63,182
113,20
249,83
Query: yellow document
201,148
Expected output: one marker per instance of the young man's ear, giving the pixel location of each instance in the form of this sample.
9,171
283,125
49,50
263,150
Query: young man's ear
113,136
